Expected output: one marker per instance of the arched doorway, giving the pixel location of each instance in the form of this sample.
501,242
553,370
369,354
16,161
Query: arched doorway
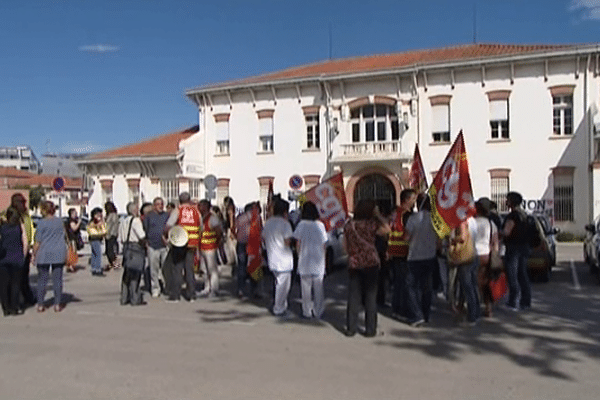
379,188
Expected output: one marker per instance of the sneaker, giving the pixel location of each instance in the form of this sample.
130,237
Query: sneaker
511,308
284,315
417,323
172,301
155,293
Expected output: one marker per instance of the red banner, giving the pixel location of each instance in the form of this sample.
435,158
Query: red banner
330,199
416,177
450,193
254,267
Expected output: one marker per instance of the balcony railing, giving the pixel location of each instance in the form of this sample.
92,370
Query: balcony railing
369,151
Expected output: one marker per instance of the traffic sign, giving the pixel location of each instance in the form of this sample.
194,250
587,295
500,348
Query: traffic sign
210,182
58,184
296,182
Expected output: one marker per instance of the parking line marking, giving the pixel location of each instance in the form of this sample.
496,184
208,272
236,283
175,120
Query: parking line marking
575,277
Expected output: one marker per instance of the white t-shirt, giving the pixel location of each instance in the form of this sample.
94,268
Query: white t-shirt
312,236
483,233
275,232
137,230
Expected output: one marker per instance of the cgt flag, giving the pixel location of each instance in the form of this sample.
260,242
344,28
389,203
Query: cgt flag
254,267
416,176
450,193
330,199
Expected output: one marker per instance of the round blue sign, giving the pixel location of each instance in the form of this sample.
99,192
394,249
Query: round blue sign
296,182
58,184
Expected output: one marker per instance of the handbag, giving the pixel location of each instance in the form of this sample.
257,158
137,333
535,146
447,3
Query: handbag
79,241
496,263
72,256
460,253
134,254
498,287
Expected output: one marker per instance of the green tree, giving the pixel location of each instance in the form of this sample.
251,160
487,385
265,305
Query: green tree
36,195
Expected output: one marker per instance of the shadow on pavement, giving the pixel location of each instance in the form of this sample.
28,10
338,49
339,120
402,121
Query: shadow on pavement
562,326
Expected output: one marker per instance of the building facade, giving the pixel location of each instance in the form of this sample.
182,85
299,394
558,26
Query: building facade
528,115
21,158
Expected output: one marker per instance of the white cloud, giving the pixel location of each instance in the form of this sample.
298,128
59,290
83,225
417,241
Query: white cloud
586,9
99,48
81,147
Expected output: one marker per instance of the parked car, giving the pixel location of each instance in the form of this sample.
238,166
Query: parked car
591,246
543,257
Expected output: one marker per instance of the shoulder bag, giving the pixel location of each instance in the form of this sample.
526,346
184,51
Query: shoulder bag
496,263
460,253
133,253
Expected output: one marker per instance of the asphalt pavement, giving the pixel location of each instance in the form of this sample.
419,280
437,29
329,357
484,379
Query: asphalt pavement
227,348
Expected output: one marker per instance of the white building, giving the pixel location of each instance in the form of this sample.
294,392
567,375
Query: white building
19,157
528,115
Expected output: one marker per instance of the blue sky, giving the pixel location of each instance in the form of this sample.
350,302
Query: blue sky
87,75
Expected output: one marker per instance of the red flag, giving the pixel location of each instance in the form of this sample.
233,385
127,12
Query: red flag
450,193
416,177
254,267
330,199
269,211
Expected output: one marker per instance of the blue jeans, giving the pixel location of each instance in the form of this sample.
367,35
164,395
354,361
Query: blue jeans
242,272
420,292
96,260
467,276
515,263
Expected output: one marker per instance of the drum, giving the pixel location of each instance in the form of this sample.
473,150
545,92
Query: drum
178,236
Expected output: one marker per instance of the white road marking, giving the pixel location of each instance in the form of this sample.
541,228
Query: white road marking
576,284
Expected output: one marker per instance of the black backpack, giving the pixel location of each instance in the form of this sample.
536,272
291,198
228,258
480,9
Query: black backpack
532,234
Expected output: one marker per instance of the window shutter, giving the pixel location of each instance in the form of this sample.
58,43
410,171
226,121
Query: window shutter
440,117
498,110
222,133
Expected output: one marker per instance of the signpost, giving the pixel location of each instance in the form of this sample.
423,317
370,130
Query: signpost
58,184
210,183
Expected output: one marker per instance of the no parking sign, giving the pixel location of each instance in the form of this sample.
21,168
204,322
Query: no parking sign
58,183
296,182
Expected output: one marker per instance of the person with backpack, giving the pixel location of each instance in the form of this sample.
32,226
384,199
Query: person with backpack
517,239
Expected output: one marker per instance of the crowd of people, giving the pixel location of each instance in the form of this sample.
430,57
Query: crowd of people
395,261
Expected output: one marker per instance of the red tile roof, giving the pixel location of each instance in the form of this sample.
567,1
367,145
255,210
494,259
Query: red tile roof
384,62
161,145
11,172
11,177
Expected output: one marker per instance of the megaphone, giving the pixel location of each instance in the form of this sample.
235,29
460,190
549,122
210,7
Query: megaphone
178,236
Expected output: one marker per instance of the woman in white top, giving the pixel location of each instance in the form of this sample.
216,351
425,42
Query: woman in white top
486,239
311,236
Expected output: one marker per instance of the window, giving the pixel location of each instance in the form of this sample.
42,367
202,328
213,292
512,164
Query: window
499,118
440,116
499,190
222,133
265,131
169,190
313,134
562,113
374,122
563,194
223,138
195,189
